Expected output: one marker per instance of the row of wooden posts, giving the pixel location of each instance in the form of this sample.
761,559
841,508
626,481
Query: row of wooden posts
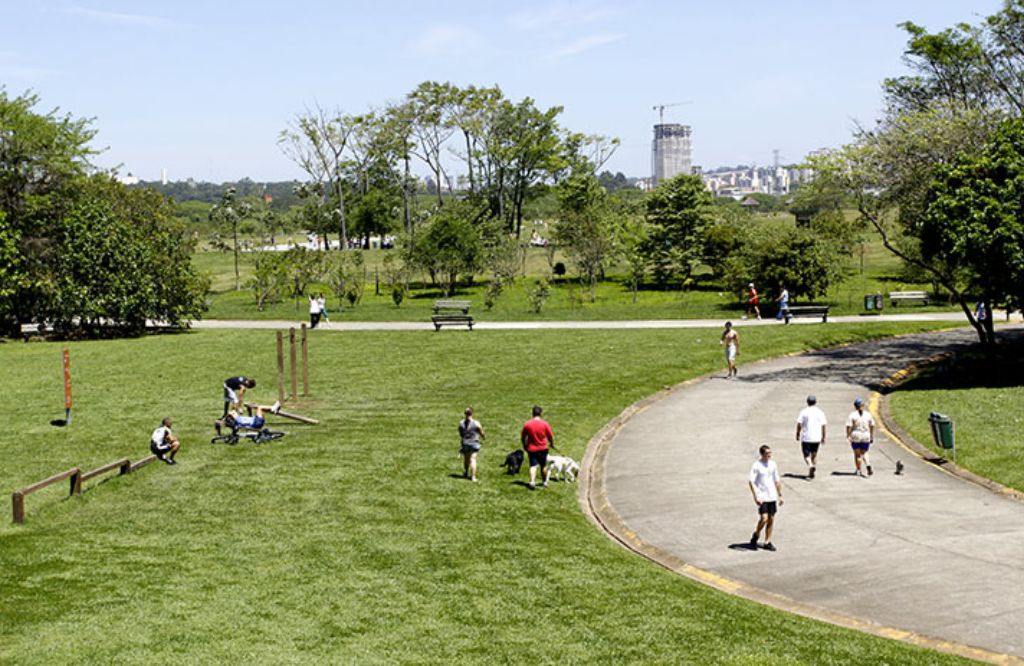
292,359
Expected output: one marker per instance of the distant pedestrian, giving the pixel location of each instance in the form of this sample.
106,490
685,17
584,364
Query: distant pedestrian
731,341
752,302
536,437
470,432
163,444
783,301
322,302
860,432
314,311
766,488
811,426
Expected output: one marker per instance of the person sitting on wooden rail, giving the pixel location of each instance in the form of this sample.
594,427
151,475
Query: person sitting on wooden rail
236,420
234,392
163,443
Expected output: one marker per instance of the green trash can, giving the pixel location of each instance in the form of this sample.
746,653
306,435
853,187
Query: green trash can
869,302
943,432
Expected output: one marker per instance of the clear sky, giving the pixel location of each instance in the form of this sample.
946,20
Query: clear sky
203,88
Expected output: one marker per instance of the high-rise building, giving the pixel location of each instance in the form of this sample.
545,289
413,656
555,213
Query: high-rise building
671,151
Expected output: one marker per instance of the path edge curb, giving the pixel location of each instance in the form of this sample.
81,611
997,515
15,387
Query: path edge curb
903,438
593,500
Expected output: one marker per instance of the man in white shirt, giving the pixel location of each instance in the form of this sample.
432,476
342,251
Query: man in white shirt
860,432
163,443
766,488
811,425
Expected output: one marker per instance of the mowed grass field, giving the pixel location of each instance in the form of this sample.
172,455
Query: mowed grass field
983,396
569,300
354,541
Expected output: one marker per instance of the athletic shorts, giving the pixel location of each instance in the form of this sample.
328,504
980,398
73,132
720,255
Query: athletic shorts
159,448
860,446
229,395
730,352
768,508
253,422
538,458
810,448
470,448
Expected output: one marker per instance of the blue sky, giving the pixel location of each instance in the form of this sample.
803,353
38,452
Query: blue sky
203,88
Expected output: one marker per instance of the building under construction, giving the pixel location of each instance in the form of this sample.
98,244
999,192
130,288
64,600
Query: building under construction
671,151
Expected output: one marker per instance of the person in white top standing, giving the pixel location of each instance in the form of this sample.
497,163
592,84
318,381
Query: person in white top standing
860,432
766,488
811,426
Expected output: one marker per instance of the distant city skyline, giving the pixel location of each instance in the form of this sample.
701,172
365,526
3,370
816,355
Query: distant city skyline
203,89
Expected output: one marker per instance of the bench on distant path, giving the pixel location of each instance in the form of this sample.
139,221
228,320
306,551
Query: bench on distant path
896,297
806,311
442,305
451,313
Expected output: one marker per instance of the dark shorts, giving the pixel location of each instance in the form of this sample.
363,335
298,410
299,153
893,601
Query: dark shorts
538,458
470,448
159,448
810,448
768,508
860,446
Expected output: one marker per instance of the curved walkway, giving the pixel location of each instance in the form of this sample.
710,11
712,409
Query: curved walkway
925,556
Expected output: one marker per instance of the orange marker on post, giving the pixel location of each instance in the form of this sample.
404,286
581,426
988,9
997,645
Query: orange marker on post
67,386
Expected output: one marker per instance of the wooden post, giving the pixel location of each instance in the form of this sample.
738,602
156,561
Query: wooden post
76,483
280,366
67,386
305,363
291,361
18,500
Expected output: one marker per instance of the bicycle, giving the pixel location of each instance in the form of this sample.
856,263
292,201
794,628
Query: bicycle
257,436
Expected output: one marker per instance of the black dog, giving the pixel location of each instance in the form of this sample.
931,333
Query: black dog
513,462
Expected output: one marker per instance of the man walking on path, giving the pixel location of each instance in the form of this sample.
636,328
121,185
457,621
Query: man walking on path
811,425
536,437
731,340
783,301
752,302
860,432
766,488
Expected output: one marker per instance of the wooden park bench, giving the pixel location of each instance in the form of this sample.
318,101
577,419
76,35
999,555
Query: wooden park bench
806,311
896,297
451,313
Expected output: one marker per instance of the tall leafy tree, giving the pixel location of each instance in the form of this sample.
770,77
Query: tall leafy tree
678,213
586,229
974,222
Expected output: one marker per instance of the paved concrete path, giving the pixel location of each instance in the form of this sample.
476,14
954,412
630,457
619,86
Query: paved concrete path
925,552
343,325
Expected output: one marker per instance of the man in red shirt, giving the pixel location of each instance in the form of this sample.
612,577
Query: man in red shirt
536,438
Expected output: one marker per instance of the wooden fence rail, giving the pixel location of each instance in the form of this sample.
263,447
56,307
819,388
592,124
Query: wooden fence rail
124,464
18,497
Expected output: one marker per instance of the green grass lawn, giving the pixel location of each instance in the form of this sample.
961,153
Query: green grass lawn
983,396
569,300
352,541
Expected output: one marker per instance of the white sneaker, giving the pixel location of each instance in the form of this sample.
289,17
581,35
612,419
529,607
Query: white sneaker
276,407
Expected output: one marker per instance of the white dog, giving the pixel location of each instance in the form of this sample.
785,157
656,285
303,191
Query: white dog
563,467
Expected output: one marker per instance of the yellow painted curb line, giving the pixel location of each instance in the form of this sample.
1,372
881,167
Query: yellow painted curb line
598,509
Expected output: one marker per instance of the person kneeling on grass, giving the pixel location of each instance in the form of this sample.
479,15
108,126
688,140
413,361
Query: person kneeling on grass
163,443
234,419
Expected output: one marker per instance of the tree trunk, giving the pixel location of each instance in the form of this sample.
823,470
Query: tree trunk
405,198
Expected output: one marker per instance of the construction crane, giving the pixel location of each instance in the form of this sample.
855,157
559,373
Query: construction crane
660,108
